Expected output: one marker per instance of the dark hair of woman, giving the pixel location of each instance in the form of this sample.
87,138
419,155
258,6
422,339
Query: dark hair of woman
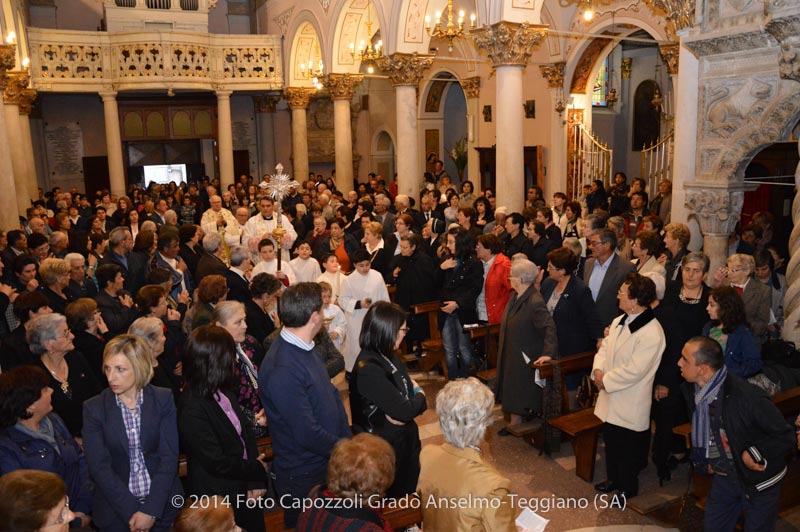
731,308
465,242
563,259
380,327
640,288
491,242
649,241
264,283
20,387
144,241
27,497
148,297
208,361
486,205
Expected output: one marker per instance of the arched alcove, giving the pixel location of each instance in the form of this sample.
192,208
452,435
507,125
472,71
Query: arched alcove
305,56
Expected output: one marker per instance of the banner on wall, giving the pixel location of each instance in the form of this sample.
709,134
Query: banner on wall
64,145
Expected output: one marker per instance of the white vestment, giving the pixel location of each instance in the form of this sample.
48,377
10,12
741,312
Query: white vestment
355,288
256,227
306,270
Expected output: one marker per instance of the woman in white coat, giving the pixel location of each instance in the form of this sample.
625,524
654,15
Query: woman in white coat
624,370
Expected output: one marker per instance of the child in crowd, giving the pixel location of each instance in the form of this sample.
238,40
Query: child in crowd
188,210
332,275
305,267
269,264
335,323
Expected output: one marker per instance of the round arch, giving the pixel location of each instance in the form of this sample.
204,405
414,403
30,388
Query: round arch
306,40
349,18
383,153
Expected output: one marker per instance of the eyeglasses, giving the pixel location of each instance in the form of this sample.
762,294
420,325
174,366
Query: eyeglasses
552,268
65,517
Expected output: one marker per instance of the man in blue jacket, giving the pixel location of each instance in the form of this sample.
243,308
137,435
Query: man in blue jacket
306,415
738,437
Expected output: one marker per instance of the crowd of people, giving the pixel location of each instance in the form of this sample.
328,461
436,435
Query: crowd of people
185,319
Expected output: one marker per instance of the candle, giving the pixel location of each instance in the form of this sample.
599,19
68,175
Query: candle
11,38
472,20
26,63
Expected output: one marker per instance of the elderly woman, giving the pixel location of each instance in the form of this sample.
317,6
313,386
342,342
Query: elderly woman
221,450
756,296
404,225
34,501
71,379
341,244
151,330
55,275
91,333
676,238
384,399
527,338
381,251
80,284
348,487
152,302
728,326
33,437
644,249
457,470
261,310
231,316
212,290
624,369
131,442
463,280
765,273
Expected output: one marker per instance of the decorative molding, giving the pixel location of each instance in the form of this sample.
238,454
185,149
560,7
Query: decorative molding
580,78
554,74
471,86
670,54
298,97
787,32
729,104
679,14
342,86
266,103
404,69
509,43
26,99
789,62
716,206
626,67
729,43
282,20
16,83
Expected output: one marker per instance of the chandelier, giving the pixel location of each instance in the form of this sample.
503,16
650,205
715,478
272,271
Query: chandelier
452,30
589,6
312,71
366,53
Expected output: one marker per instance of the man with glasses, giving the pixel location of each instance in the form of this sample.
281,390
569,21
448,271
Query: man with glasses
604,273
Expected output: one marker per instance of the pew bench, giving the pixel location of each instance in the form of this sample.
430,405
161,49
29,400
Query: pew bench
433,348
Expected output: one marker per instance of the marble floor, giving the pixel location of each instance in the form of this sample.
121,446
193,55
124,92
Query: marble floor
568,502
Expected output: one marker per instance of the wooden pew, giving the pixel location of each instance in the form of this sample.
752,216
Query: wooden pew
432,347
581,426
788,403
491,339
264,447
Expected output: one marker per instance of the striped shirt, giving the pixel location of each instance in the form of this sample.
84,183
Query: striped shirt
139,478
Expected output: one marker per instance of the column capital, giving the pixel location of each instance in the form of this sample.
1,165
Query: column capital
299,97
266,103
669,54
626,67
717,206
26,99
472,86
224,94
342,86
404,69
108,94
8,58
509,43
16,82
554,74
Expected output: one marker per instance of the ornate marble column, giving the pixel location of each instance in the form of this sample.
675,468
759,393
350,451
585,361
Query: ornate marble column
405,73
342,88
26,100
265,114
225,138
509,46
116,168
472,90
298,98
791,301
557,159
9,209
15,86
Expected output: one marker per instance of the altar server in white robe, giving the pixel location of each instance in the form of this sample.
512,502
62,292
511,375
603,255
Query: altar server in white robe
269,264
363,287
263,224
304,265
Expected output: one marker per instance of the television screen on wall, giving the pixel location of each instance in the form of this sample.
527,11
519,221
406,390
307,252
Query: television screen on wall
164,173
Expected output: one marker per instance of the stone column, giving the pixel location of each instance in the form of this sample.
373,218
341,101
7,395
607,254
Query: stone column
225,138
791,301
557,159
342,88
9,209
265,114
472,90
15,86
509,46
298,98
405,73
116,168
26,100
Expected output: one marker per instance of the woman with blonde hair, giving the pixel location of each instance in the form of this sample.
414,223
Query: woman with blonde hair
54,274
131,443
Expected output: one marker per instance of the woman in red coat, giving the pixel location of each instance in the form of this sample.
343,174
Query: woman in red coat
496,287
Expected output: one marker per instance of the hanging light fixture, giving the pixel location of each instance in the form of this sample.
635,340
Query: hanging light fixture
657,99
312,70
367,54
452,30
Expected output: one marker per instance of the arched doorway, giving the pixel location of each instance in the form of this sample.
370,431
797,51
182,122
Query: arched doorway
382,157
444,119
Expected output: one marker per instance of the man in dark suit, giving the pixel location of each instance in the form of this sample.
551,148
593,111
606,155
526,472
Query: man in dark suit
134,268
238,285
167,257
403,206
17,245
158,216
190,250
211,262
604,274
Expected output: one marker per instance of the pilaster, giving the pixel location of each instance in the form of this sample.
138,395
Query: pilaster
472,90
14,90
